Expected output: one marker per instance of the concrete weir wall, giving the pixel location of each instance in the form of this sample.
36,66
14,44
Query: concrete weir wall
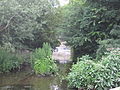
118,88
62,53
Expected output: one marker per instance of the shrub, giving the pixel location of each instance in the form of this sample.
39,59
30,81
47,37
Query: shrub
42,60
41,53
109,76
81,74
45,66
102,75
8,61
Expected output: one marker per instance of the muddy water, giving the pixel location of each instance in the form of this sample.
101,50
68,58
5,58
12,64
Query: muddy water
23,80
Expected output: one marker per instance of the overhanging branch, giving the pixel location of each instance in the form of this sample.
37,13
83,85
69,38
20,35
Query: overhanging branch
8,23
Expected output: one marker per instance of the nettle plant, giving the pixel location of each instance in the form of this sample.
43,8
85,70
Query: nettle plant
42,60
101,75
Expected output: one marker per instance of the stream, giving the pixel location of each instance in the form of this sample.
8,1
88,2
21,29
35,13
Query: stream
22,80
25,80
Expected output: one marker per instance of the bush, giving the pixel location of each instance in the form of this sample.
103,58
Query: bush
8,61
45,66
41,53
42,60
109,76
81,73
102,75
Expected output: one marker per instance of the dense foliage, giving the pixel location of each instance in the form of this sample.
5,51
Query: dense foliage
89,22
101,75
44,52
92,27
26,24
42,60
45,66
9,61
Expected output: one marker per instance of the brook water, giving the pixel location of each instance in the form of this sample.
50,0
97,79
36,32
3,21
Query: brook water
23,80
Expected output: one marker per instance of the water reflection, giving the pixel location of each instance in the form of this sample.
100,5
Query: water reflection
24,81
17,87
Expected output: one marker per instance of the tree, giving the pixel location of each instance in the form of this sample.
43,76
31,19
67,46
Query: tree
28,23
90,22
